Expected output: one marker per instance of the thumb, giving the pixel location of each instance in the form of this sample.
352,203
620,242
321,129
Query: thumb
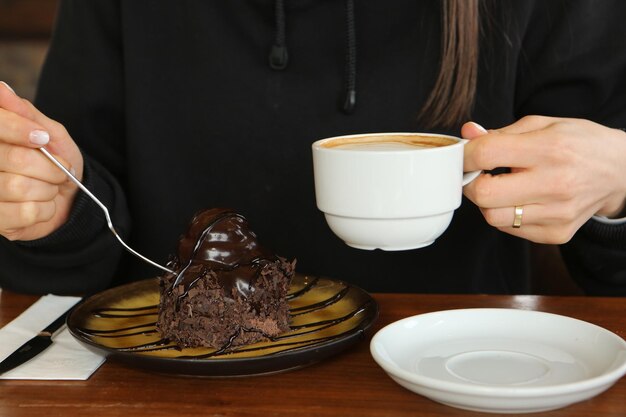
471,130
18,125
27,126
10,101
13,103
38,127
7,86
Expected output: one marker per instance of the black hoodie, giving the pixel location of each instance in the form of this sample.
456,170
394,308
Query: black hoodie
179,106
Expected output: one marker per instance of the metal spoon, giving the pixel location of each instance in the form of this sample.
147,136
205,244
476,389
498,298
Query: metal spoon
103,207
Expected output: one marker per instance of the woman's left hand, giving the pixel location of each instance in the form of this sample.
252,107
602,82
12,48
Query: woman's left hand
563,171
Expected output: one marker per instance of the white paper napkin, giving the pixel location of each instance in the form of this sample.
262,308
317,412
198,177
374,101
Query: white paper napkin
65,359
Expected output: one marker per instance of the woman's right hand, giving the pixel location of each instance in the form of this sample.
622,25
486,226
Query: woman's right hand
35,196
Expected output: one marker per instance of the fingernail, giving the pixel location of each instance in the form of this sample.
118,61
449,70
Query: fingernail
39,137
8,86
72,171
479,127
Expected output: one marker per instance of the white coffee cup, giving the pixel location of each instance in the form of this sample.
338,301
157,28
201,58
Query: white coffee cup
393,191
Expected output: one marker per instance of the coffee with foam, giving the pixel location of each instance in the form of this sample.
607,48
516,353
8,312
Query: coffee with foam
388,142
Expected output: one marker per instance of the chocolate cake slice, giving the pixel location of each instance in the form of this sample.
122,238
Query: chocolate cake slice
228,290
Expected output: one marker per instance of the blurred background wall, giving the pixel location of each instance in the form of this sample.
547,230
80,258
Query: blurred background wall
25,28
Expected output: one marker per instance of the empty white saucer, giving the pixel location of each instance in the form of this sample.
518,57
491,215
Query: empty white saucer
500,360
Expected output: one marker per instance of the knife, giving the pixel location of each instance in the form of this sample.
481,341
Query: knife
34,346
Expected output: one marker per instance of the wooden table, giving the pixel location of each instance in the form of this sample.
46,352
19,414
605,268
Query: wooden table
350,384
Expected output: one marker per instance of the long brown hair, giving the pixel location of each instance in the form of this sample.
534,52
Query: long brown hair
452,97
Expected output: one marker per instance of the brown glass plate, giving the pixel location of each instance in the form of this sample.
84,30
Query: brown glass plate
327,316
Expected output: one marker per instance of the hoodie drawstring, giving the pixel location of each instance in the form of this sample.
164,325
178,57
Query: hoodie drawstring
278,54
350,99
279,57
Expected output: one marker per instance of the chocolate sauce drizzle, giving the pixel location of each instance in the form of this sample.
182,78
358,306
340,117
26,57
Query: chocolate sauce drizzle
286,342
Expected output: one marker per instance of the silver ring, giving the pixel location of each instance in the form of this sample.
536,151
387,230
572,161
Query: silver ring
517,220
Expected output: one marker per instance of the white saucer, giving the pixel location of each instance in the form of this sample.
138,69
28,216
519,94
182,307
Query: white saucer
500,360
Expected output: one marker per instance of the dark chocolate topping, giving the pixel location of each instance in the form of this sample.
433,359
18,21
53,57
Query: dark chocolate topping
220,240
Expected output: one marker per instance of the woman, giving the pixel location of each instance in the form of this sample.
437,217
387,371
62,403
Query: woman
164,108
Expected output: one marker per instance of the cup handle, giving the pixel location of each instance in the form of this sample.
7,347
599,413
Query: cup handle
470,176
